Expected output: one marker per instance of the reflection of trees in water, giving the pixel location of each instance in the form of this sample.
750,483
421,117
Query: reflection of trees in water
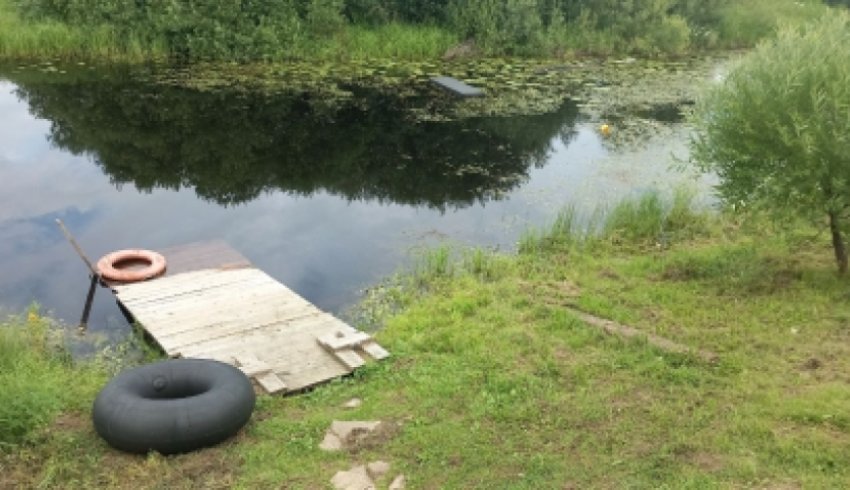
232,146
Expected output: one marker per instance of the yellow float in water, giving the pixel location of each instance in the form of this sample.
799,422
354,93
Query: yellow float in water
604,130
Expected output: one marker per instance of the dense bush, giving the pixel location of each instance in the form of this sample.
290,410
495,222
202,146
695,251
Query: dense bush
38,380
775,132
279,29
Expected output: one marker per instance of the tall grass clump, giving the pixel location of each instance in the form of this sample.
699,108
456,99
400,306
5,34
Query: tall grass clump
38,379
394,40
650,220
26,38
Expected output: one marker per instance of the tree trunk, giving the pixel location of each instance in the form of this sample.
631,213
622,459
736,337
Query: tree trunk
838,243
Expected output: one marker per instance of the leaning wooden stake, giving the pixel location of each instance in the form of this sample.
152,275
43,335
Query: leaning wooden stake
77,247
95,275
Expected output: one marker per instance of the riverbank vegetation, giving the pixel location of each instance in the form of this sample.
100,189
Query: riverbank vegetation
38,378
281,30
801,167
495,382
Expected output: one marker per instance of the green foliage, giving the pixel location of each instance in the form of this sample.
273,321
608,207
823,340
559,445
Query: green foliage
325,17
37,378
776,130
743,24
246,30
491,368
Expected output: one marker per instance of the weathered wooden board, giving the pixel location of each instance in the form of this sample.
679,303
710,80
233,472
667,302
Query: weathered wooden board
238,314
457,87
215,254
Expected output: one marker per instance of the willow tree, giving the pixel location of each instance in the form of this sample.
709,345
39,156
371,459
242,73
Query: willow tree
777,130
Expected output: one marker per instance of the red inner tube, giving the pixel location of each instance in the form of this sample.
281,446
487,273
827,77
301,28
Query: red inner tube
109,266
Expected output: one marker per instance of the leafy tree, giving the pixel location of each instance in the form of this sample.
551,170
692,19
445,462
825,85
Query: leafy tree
777,131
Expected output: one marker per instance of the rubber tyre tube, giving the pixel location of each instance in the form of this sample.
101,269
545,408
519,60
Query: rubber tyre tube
173,406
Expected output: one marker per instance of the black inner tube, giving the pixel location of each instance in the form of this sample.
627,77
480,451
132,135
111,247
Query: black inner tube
173,406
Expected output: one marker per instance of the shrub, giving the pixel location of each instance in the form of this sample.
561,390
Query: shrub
776,132
37,379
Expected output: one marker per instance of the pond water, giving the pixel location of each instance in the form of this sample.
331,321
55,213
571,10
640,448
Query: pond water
328,198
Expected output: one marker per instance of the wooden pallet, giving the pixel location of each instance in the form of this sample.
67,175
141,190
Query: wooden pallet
457,87
238,314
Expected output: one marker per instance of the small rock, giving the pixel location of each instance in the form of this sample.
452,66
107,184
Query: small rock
331,442
353,403
354,479
378,469
398,483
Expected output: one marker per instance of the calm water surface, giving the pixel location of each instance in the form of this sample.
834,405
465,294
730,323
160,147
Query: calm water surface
325,197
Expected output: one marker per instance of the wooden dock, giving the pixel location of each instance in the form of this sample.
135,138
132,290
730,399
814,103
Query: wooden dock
457,87
213,304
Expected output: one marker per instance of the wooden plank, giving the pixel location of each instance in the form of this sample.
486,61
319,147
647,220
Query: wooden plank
245,317
210,321
349,358
177,287
250,365
613,328
226,327
375,351
215,254
343,339
247,306
309,327
457,87
271,383
262,373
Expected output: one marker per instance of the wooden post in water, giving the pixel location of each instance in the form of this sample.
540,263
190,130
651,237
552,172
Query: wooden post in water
95,276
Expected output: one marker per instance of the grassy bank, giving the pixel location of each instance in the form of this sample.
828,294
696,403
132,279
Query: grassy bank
47,38
38,380
283,30
495,383
51,39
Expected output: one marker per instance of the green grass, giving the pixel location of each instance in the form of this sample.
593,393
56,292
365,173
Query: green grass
38,379
393,41
24,40
494,383
740,24
45,39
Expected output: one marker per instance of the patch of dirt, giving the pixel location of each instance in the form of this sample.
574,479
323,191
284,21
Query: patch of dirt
383,433
552,293
705,461
812,364
99,466
212,468
609,274
680,273
71,422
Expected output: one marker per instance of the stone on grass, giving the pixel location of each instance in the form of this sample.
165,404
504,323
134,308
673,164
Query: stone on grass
398,483
353,403
377,469
331,442
357,478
